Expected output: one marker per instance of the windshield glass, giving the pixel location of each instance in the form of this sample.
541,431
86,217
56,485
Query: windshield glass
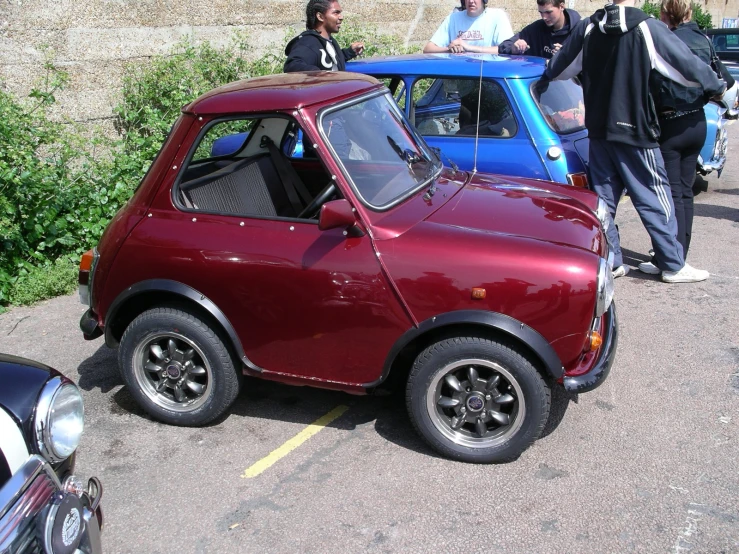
383,157
561,104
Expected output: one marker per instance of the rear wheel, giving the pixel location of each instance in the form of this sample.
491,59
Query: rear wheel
477,400
177,367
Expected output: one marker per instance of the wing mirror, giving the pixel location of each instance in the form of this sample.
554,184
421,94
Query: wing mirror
339,213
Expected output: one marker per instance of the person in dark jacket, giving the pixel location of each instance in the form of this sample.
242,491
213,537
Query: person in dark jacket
544,37
316,49
682,121
616,52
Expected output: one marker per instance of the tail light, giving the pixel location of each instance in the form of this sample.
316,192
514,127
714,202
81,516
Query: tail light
87,268
579,180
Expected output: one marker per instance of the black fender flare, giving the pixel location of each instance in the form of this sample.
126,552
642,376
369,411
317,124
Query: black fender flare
185,291
499,322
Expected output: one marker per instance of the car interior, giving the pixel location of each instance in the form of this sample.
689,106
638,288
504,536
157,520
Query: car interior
450,107
255,167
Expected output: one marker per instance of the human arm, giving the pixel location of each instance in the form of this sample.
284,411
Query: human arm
567,62
354,50
433,48
672,58
302,58
439,42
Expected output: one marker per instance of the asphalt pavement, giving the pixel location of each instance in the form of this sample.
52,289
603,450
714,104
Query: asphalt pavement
649,462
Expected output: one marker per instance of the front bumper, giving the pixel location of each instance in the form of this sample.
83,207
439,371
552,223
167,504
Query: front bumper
89,325
602,366
38,515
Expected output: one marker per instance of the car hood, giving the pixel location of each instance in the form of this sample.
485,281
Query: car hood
523,208
21,381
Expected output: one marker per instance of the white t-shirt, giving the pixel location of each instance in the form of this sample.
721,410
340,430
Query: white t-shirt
490,28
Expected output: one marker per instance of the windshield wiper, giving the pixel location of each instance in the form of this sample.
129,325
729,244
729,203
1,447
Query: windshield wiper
440,154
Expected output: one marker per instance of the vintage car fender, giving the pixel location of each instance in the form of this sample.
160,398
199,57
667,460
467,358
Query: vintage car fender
521,332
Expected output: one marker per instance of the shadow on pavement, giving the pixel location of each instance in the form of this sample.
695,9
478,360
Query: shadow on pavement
717,212
100,371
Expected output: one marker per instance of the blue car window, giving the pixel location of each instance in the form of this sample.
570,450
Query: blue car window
561,104
457,107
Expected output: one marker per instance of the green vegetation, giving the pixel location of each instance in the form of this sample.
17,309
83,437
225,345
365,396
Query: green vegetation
58,191
702,18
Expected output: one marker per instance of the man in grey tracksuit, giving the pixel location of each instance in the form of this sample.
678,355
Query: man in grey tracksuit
615,51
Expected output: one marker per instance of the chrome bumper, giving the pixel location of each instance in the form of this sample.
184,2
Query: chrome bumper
602,367
36,513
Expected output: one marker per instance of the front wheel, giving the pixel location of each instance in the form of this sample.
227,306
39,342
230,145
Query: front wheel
477,400
177,367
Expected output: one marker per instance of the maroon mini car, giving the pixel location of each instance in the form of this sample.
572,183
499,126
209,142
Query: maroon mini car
297,228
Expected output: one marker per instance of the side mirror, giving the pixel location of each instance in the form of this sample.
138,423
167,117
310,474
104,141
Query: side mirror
339,213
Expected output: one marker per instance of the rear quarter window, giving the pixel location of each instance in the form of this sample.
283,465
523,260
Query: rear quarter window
561,104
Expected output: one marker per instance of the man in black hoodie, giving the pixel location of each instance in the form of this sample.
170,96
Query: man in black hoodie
544,37
615,52
316,49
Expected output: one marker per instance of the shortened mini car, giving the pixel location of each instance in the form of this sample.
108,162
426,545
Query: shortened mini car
361,262
43,506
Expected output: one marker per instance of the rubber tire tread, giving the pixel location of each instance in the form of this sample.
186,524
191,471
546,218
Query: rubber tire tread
226,379
425,367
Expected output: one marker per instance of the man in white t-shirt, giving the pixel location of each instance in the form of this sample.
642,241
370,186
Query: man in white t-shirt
472,28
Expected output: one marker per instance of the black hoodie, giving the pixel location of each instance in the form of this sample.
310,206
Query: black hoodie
540,38
307,52
617,50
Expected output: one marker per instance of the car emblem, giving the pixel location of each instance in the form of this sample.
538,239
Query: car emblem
173,372
475,403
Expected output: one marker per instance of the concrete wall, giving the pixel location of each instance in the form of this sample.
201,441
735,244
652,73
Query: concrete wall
94,39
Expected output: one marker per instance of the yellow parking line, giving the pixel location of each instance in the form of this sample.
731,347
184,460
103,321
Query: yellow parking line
276,455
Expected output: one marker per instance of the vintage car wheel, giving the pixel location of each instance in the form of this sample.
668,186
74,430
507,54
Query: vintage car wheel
177,367
476,400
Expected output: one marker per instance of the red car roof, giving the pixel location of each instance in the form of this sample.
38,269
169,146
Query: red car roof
281,92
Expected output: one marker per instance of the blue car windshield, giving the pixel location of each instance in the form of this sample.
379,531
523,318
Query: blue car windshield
561,104
382,155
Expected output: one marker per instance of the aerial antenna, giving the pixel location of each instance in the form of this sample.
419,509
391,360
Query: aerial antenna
477,127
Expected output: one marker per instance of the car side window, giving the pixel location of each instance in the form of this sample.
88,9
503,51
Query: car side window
456,107
251,167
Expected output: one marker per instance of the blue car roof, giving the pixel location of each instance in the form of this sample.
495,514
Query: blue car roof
455,65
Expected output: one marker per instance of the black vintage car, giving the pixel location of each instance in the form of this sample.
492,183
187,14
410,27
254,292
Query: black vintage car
43,506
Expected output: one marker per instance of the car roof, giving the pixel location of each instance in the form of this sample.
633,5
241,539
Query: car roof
727,31
284,91
461,65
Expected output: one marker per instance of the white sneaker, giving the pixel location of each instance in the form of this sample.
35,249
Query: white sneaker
650,268
620,271
687,274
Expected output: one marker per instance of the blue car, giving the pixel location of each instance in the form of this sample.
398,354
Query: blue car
713,154
526,127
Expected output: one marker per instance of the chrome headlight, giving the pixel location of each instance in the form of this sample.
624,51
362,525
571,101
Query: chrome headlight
604,216
59,419
604,288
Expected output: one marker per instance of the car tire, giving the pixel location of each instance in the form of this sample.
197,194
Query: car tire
177,367
477,400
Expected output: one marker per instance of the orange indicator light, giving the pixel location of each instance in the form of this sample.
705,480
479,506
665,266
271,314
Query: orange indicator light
478,293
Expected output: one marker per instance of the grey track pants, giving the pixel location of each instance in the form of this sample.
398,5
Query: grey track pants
641,171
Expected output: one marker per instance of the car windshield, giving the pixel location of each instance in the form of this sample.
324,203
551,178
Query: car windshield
561,104
382,155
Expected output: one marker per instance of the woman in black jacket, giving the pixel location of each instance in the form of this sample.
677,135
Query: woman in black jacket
682,121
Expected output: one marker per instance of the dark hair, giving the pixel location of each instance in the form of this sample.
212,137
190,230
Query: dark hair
315,7
464,5
554,3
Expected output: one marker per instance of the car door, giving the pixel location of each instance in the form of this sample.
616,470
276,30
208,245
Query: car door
304,302
474,128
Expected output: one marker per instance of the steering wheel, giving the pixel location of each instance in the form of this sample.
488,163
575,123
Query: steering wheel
310,211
